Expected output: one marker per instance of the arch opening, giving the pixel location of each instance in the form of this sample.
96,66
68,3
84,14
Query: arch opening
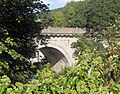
56,58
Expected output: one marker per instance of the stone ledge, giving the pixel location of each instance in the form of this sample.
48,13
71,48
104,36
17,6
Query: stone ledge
62,31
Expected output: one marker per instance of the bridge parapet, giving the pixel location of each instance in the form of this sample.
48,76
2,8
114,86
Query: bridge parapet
58,31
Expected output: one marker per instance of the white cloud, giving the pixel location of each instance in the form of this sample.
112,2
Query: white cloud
47,1
65,1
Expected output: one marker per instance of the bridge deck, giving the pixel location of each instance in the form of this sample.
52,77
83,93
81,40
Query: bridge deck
62,31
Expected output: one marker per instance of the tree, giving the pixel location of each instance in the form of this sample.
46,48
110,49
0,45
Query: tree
18,28
98,62
72,15
100,13
18,17
75,14
58,19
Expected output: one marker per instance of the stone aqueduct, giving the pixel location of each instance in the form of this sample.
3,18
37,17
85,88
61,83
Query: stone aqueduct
55,45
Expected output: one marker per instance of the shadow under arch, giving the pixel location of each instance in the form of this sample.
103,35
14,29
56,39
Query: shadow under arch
56,56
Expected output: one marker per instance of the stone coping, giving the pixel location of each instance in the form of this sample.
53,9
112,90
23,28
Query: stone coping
62,31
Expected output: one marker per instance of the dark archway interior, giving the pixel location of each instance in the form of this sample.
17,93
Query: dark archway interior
56,58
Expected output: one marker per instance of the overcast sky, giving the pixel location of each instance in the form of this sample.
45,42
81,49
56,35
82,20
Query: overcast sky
56,3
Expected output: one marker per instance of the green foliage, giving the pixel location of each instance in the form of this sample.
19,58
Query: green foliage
18,17
99,56
72,15
18,28
4,83
58,19
75,14
44,18
101,12
113,40
8,55
91,14
96,72
76,80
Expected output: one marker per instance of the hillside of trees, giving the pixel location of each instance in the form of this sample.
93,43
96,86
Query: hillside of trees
94,14
98,50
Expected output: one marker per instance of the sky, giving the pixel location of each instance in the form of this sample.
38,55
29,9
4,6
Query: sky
53,4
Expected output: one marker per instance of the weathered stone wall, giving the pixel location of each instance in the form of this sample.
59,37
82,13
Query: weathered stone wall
57,46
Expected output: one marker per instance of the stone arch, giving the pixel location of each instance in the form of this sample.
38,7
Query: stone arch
55,55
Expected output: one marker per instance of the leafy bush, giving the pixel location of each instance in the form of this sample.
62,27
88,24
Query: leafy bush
96,72
77,80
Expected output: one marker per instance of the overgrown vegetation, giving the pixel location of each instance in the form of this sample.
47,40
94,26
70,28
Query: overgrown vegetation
96,72
98,51
18,28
